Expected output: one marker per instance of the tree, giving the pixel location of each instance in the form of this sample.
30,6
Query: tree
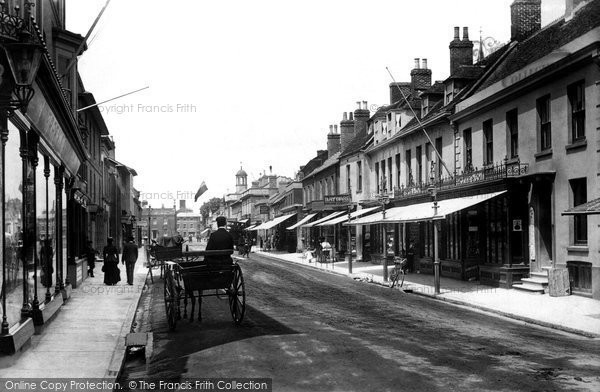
209,207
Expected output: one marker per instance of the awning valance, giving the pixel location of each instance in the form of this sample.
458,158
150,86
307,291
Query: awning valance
278,220
589,208
424,211
302,221
330,216
344,218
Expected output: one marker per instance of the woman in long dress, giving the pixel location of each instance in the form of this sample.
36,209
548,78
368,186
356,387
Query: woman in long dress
112,274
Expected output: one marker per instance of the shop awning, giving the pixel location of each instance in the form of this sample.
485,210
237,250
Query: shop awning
330,216
274,222
424,211
344,218
589,208
244,221
302,221
205,231
250,227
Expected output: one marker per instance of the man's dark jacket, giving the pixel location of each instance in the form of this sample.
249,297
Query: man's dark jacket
130,252
220,240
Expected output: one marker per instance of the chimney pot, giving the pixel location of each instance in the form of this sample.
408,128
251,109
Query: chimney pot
345,116
358,103
335,129
417,65
330,129
424,64
457,33
365,105
351,116
465,33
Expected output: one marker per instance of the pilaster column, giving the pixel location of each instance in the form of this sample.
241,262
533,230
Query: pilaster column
58,182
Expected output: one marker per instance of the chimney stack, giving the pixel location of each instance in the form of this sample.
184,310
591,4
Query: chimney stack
526,18
333,141
346,130
461,52
361,116
420,77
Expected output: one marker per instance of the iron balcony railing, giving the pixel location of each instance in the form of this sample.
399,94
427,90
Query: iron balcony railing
468,177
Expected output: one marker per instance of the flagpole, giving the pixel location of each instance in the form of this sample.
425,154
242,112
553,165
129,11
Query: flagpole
82,44
112,99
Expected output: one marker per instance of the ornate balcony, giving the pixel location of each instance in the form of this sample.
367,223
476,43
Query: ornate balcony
468,177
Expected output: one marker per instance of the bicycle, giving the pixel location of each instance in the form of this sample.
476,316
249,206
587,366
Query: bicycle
398,273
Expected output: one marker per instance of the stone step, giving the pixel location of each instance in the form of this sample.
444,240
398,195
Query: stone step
532,288
543,274
536,280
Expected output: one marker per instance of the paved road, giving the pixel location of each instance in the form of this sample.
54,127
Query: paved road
315,331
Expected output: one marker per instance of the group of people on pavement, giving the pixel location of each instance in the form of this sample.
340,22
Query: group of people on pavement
110,255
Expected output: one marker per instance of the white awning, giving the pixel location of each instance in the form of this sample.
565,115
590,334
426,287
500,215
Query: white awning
244,221
424,211
276,221
344,218
303,221
330,216
250,227
205,231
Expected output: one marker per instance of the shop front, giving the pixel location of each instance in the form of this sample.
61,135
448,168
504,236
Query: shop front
483,234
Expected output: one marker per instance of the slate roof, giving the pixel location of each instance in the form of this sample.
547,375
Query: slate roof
545,41
436,88
356,144
331,161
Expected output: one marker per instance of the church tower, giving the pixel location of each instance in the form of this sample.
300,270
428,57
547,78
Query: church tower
241,181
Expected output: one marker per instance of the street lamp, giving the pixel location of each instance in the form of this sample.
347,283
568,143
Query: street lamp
23,52
384,199
436,261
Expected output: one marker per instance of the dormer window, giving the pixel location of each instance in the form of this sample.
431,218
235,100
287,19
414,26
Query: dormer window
449,92
424,106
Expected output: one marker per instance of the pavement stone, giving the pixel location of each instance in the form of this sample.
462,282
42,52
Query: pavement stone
573,314
86,338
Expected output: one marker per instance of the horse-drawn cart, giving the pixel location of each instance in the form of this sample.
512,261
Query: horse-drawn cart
187,273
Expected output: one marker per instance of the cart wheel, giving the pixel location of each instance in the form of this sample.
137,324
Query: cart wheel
237,296
171,299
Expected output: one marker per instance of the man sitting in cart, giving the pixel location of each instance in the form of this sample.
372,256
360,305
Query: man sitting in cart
220,240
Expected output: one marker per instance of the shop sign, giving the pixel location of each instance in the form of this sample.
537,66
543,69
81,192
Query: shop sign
80,198
337,199
264,210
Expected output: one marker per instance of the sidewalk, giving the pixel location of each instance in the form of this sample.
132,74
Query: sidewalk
572,313
86,339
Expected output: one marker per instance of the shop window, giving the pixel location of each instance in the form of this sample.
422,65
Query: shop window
576,95
488,141
512,128
580,275
543,123
13,230
579,196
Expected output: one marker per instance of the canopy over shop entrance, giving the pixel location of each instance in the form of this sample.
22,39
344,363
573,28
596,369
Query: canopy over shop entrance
423,211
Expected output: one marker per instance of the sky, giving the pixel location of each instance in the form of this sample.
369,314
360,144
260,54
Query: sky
255,83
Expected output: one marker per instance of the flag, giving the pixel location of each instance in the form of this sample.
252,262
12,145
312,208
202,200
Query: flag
201,190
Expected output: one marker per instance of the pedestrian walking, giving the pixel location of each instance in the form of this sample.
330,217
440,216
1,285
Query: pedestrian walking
90,254
110,254
130,255
46,255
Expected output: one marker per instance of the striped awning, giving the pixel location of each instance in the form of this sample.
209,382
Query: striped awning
303,221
